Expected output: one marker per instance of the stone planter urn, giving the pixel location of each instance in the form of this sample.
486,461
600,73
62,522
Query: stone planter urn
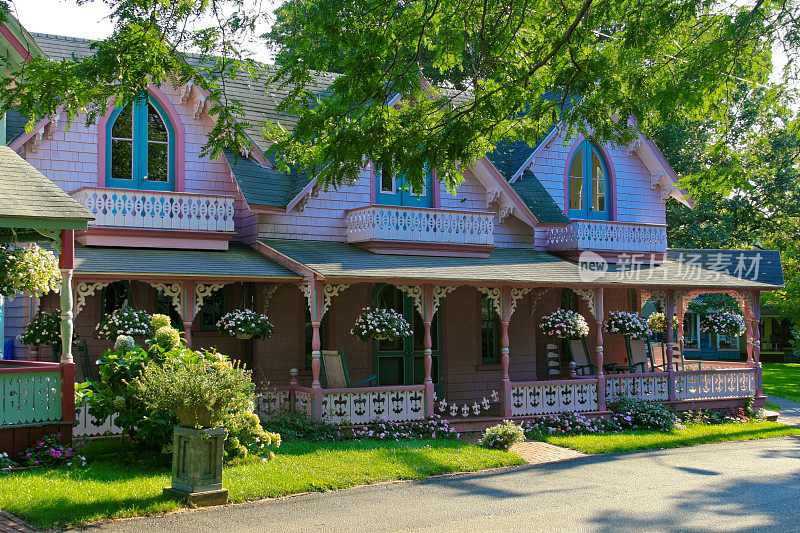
244,336
197,466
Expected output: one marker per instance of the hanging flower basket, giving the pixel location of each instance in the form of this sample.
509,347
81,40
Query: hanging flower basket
628,323
246,324
658,322
44,328
380,324
126,321
30,268
565,324
723,323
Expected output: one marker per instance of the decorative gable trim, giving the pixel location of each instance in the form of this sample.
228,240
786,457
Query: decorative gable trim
661,174
44,129
548,139
500,194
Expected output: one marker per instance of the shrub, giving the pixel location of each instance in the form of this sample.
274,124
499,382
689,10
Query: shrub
50,452
246,324
434,427
44,328
159,321
502,436
246,437
6,463
566,424
125,321
632,413
167,337
380,324
715,416
294,425
124,343
565,323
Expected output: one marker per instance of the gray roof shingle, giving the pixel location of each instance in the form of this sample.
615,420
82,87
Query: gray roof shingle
538,200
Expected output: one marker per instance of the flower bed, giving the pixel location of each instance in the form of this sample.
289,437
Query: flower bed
627,323
565,323
380,324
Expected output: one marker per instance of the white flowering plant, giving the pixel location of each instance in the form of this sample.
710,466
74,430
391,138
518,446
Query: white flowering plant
246,324
44,328
658,322
30,268
381,324
125,321
723,323
565,323
628,323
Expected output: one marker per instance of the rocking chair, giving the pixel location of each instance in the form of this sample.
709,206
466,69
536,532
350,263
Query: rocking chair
580,356
638,357
659,357
334,372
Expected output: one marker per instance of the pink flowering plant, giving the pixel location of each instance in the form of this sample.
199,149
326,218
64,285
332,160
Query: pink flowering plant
565,323
44,328
380,324
246,323
629,324
28,268
50,452
723,323
125,321
6,462
502,436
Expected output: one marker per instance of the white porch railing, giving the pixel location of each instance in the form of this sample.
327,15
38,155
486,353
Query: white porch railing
713,384
89,426
423,225
608,236
652,387
550,397
361,405
157,210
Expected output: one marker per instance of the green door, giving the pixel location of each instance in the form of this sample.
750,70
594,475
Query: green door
402,361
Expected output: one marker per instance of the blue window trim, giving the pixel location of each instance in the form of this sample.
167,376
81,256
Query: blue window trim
586,148
402,194
140,148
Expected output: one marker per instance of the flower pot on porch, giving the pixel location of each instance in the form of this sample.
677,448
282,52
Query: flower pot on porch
382,337
244,336
197,466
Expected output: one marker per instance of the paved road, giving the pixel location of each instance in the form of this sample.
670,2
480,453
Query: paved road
743,486
790,410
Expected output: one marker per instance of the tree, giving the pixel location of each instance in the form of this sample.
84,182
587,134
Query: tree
469,73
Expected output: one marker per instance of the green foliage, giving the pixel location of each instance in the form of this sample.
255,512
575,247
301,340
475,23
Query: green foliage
294,425
642,415
50,452
245,437
246,322
44,328
28,269
502,436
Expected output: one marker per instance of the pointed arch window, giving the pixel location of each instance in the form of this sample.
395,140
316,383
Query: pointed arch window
140,147
589,184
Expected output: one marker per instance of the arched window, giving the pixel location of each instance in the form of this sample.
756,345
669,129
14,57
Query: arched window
588,184
140,147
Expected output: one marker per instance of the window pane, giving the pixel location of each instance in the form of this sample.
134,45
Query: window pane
121,160
114,297
489,333
123,125
598,183
390,370
157,156
576,181
156,130
213,309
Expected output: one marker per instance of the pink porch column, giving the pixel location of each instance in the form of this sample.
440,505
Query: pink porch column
189,310
316,311
757,341
669,310
748,322
505,318
601,378
427,344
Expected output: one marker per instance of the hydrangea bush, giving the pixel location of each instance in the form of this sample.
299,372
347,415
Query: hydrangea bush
723,323
380,324
30,268
565,323
167,337
159,321
627,323
502,436
44,328
658,322
124,343
246,324
125,321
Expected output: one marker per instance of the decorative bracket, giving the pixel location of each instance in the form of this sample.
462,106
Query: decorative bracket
536,296
588,296
82,291
35,142
492,195
659,296
516,295
505,211
203,291
416,294
266,296
439,294
173,291
493,293
186,92
328,292
633,146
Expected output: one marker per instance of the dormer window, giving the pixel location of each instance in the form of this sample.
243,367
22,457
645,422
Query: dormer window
588,184
140,153
391,190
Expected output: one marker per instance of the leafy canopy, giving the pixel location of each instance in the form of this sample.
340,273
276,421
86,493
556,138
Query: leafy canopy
468,73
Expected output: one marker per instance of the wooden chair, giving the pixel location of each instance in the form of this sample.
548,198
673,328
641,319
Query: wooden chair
580,356
553,362
658,354
638,357
334,371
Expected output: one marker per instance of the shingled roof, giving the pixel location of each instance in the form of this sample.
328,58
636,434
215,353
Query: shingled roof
29,200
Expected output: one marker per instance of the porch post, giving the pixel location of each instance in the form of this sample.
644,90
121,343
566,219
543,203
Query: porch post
66,262
601,378
669,310
189,310
757,341
315,290
427,344
748,322
504,351
680,311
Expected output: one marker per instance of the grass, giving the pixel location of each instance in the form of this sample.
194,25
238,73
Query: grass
782,379
119,483
772,406
689,436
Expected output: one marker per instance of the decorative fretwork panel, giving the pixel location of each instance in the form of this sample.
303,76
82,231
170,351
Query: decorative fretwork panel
366,406
543,398
304,402
396,223
712,384
610,236
28,397
651,387
270,402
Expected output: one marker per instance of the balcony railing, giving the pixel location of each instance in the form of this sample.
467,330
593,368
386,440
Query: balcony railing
157,210
608,236
419,225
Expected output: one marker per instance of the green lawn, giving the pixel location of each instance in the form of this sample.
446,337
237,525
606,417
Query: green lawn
118,483
691,435
772,406
782,379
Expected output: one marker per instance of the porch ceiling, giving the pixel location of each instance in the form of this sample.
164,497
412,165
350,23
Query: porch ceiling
239,261
685,269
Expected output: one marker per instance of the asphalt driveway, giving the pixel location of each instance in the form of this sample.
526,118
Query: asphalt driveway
733,486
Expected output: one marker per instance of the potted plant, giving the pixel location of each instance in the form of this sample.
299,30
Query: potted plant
44,328
380,324
125,321
202,389
565,324
723,323
628,323
246,324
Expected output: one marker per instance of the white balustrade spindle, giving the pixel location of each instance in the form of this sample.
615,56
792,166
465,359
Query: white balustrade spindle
608,236
539,398
396,223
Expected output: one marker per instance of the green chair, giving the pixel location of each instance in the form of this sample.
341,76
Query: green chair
334,372
579,353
